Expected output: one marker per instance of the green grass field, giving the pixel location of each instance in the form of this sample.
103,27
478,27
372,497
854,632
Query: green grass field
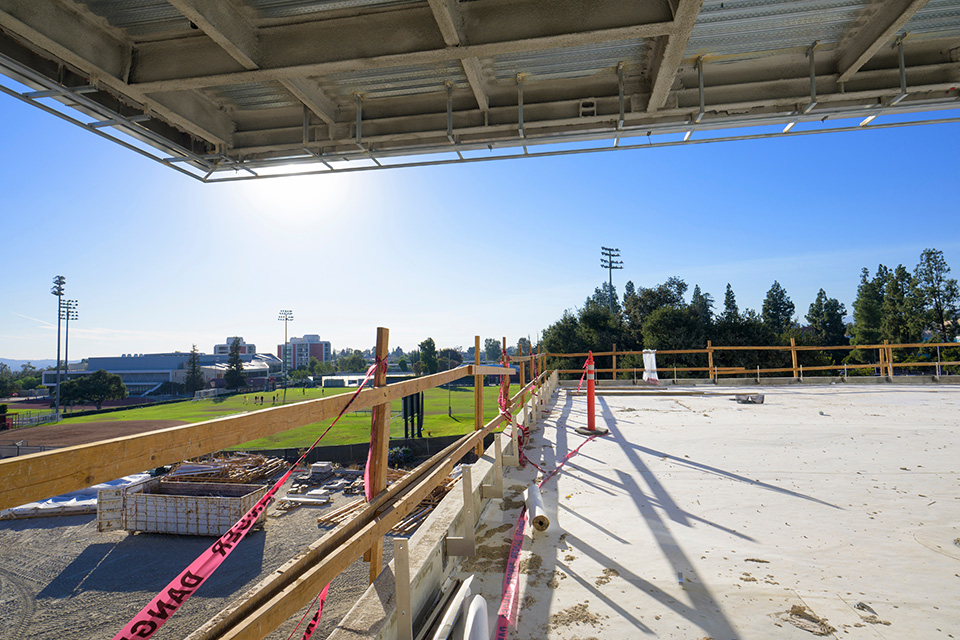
351,429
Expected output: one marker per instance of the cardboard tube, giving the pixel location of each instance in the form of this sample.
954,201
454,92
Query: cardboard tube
534,502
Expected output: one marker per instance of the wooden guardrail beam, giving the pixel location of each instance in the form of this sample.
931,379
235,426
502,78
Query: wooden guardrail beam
40,475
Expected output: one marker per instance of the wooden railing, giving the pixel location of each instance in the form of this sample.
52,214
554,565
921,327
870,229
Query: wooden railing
885,362
37,476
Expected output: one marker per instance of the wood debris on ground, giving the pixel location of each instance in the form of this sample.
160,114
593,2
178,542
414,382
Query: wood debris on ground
240,468
406,526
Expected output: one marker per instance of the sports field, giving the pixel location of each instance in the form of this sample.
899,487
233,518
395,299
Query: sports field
352,428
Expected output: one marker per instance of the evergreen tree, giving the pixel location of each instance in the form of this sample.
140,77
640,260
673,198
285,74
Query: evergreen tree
940,295
492,349
778,309
194,380
234,376
902,312
868,307
702,305
826,320
731,311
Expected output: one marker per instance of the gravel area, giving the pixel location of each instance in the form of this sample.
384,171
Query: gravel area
60,579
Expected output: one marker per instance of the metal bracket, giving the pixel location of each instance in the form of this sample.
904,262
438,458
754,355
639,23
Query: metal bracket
466,545
450,137
495,490
401,569
813,80
700,80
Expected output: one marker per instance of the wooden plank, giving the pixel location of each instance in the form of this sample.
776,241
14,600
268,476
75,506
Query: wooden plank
41,475
295,584
379,444
477,396
710,359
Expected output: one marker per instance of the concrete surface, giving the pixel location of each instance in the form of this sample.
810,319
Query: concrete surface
827,511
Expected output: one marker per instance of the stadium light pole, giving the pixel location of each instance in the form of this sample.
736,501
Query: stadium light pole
607,262
68,312
57,290
286,315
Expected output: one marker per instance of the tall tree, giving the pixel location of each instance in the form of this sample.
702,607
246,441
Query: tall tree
702,305
940,294
605,296
778,309
194,380
234,376
868,307
525,343
492,349
826,320
731,311
902,311
428,356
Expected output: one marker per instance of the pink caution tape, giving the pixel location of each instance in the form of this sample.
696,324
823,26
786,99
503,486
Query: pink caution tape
171,598
509,602
316,617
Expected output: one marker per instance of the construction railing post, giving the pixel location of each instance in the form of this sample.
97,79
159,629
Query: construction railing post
523,366
793,357
401,567
591,407
477,397
889,350
379,443
614,361
710,373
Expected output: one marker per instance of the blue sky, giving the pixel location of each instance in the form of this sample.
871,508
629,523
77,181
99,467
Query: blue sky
159,261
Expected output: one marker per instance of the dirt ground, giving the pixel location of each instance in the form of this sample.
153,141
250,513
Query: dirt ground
66,435
62,580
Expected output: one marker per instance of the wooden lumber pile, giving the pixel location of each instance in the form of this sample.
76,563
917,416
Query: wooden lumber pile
236,468
406,526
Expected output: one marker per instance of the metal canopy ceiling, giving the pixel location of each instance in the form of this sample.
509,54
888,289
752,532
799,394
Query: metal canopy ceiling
230,89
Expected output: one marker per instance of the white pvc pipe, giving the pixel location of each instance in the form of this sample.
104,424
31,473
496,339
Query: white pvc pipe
534,502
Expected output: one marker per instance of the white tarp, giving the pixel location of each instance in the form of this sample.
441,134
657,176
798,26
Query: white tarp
650,366
81,501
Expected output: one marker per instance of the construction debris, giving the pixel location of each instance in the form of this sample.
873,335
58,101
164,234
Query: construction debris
406,526
751,398
239,468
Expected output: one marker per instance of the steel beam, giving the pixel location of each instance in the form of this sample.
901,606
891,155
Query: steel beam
226,26
669,53
890,17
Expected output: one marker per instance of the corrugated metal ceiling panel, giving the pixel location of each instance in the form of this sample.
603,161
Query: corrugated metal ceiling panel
139,17
938,18
291,8
570,62
254,95
396,81
734,27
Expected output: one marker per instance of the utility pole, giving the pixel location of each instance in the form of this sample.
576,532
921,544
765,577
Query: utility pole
57,290
68,312
607,262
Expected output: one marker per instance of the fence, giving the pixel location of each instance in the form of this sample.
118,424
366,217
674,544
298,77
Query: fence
53,472
13,450
885,363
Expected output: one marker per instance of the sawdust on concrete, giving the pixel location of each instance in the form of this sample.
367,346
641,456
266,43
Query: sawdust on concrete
577,614
608,575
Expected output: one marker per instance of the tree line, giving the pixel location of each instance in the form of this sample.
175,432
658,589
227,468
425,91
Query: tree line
893,304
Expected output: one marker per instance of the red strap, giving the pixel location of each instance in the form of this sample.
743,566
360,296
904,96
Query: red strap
153,616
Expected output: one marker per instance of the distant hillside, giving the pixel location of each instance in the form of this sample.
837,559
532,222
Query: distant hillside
15,365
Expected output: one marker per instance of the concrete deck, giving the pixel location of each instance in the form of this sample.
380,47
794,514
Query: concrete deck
834,504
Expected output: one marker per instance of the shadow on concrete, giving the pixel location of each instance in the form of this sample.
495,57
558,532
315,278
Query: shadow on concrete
631,448
148,562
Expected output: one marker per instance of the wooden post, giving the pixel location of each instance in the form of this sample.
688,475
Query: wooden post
710,358
793,356
889,358
880,361
614,360
477,397
380,445
523,366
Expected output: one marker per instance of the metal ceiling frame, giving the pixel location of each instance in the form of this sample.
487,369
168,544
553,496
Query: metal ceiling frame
179,98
